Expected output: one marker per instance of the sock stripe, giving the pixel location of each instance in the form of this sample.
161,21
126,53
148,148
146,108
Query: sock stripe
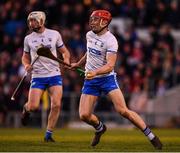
48,134
99,126
48,131
147,131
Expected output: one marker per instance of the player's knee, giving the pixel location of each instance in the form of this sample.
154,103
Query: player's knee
55,107
84,116
124,112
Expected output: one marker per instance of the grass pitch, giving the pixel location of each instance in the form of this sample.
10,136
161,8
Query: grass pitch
68,140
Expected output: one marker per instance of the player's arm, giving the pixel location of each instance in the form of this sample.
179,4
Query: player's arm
65,54
80,62
26,61
111,60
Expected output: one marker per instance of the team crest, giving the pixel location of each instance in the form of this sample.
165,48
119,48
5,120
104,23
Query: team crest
50,39
102,44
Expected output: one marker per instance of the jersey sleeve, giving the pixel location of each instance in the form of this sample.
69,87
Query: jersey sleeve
112,45
26,46
59,43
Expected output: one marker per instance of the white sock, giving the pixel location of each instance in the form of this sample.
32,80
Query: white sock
148,133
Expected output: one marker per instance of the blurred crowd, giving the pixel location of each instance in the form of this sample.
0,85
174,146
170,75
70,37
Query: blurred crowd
145,68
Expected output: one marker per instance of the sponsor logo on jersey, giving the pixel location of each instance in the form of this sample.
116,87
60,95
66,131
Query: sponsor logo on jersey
34,41
94,51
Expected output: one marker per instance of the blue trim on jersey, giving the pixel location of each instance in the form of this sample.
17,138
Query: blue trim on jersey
97,85
60,46
46,82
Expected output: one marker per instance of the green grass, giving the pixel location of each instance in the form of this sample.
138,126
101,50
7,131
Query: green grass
79,141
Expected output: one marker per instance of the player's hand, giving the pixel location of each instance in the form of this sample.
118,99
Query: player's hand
74,65
28,68
90,75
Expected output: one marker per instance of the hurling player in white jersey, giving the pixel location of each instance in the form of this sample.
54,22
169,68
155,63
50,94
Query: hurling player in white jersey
100,60
45,72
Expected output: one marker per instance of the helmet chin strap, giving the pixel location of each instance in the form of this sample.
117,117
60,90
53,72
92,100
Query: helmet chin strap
101,28
36,29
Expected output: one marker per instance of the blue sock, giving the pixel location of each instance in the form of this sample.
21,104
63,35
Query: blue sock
48,134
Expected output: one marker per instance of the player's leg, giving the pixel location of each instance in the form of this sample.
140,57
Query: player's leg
91,90
31,105
38,86
120,106
86,107
55,92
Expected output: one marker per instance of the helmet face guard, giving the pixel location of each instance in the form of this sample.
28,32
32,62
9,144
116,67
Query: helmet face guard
36,20
99,20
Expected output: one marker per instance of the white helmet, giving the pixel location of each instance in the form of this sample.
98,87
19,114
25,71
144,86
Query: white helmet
39,16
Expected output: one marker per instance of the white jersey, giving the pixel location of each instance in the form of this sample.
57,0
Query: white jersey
97,49
43,67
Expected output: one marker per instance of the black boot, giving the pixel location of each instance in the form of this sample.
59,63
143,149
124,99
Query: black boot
25,117
156,143
97,136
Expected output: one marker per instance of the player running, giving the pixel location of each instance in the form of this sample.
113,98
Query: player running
100,60
45,72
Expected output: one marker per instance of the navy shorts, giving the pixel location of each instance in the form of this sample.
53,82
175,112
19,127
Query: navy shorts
98,85
44,83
